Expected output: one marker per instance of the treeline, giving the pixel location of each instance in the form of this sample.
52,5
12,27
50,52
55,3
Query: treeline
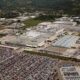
47,17
71,7
9,14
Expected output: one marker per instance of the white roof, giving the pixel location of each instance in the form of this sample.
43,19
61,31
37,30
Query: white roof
66,41
30,38
33,34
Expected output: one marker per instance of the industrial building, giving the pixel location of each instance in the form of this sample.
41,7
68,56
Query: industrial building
7,31
67,41
49,27
15,25
54,50
35,37
31,38
70,72
65,21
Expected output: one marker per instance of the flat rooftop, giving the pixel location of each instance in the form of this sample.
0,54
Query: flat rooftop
56,50
67,41
70,72
30,38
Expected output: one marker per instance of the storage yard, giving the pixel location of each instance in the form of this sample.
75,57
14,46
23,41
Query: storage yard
24,66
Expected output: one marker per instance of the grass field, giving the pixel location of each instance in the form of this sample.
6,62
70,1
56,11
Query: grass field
35,21
32,22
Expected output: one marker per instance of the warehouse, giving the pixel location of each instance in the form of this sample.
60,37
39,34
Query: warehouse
30,38
70,72
36,37
65,21
54,50
49,27
67,41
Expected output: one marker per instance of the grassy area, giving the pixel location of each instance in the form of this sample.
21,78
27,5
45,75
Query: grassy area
39,19
32,22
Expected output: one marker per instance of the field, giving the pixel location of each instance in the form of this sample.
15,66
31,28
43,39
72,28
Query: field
39,19
32,22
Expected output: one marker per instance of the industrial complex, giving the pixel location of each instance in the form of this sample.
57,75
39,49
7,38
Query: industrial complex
47,51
